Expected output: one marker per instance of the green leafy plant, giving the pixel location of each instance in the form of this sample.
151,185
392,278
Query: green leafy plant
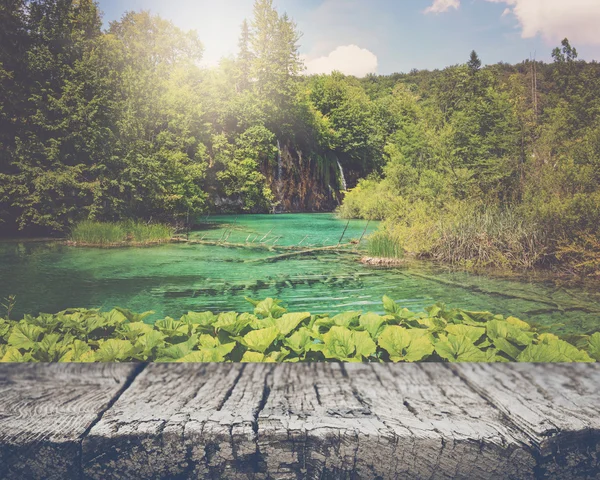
271,334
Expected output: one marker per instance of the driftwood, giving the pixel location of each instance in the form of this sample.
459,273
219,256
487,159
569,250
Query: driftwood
307,251
295,421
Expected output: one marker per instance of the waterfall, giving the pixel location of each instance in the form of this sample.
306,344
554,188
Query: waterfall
342,177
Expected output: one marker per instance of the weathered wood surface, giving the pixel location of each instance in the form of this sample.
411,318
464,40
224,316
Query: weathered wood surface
45,410
295,421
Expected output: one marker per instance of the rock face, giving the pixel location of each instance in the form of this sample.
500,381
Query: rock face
305,182
300,421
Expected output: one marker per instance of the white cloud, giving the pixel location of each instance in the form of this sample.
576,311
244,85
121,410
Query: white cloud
556,19
348,59
440,6
552,19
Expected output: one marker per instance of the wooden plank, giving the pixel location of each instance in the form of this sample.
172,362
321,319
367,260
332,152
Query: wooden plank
294,421
184,420
45,411
557,406
384,421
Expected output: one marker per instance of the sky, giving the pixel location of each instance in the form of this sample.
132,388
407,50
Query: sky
359,37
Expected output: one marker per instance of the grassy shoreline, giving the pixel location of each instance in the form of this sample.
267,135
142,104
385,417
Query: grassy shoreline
91,233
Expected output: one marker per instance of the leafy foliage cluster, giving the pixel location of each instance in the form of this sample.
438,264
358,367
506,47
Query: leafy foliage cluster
490,166
271,334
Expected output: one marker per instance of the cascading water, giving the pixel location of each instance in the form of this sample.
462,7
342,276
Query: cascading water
342,177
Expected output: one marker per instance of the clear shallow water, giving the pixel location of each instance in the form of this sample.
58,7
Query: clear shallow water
173,279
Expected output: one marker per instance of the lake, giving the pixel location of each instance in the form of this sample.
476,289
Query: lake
175,278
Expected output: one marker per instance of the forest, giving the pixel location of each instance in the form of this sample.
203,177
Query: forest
495,165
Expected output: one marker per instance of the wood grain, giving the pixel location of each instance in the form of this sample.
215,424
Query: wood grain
556,406
187,420
384,421
46,410
300,421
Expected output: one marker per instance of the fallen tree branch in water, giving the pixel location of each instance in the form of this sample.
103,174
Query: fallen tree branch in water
299,253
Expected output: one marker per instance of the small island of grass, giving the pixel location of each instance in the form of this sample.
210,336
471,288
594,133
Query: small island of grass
91,233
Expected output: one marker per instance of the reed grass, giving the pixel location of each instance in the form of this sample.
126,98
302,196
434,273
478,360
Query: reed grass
91,232
382,244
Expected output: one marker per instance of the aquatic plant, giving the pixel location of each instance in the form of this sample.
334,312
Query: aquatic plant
91,232
383,244
271,334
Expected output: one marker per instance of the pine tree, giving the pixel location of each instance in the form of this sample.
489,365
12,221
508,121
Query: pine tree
474,62
245,57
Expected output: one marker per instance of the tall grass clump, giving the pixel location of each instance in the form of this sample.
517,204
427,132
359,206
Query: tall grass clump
382,244
491,238
98,233
91,232
141,232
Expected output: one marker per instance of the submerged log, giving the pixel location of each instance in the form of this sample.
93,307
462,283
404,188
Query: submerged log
308,251
562,307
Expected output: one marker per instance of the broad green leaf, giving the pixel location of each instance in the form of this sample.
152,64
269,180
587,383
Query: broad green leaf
116,317
128,314
365,346
5,328
346,319
149,341
519,323
479,316
339,343
131,331
232,323
207,342
261,340
13,355
390,306
594,346
434,325
203,319
114,351
50,348
24,336
269,308
472,333
172,328
299,341
258,323
405,345
205,355
255,357
372,323
507,337
434,310
553,351
79,352
175,352
290,321
458,349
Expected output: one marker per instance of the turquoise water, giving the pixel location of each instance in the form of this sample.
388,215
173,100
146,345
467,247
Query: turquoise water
175,278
